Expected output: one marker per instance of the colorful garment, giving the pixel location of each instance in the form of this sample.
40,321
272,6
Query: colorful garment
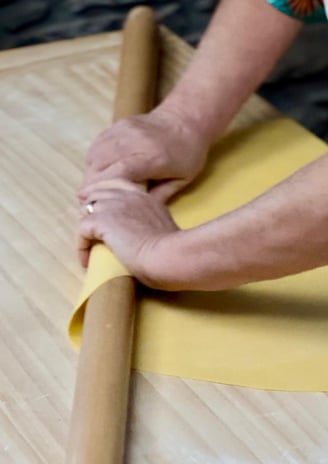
306,10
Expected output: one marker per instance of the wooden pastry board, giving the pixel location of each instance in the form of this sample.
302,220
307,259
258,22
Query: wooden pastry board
54,99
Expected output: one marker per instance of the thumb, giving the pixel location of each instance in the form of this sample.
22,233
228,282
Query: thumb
165,190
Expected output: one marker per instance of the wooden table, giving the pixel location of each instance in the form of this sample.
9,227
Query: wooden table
54,99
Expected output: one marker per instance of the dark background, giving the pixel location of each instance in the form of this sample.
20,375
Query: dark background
299,85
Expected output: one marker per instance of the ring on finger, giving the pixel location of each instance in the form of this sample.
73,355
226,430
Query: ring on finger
90,207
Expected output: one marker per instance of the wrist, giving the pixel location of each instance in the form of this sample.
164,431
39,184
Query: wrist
165,266
179,109
183,260
212,256
209,257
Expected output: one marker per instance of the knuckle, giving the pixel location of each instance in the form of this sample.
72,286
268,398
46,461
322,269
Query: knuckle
121,169
160,160
124,124
91,153
94,154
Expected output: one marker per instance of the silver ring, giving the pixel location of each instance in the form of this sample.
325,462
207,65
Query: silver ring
90,207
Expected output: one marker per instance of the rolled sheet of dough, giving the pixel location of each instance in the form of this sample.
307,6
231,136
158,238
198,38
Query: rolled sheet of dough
270,335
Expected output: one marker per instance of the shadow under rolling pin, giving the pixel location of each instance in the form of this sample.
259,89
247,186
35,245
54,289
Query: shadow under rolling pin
98,421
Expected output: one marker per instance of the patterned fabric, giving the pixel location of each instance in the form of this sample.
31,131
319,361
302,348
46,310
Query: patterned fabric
309,11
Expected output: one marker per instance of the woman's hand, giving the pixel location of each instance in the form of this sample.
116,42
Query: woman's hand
137,227
160,146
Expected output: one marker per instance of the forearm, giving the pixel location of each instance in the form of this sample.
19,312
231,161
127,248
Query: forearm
240,48
285,231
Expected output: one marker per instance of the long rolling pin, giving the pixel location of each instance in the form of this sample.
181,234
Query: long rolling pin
98,422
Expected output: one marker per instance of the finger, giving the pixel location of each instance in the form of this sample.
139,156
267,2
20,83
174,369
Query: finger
82,198
97,199
127,169
166,190
103,154
106,185
84,256
112,200
104,135
108,145
84,247
90,207
90,232
138,168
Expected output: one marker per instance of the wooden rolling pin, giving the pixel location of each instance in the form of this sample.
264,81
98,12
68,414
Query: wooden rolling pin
99,414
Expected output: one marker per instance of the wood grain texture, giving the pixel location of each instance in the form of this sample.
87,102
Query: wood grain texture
54,99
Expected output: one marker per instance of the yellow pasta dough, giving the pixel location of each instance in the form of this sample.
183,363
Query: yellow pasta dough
271,335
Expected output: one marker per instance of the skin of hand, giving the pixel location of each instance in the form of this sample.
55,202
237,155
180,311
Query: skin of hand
133,224
169,145
153,147
259,241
